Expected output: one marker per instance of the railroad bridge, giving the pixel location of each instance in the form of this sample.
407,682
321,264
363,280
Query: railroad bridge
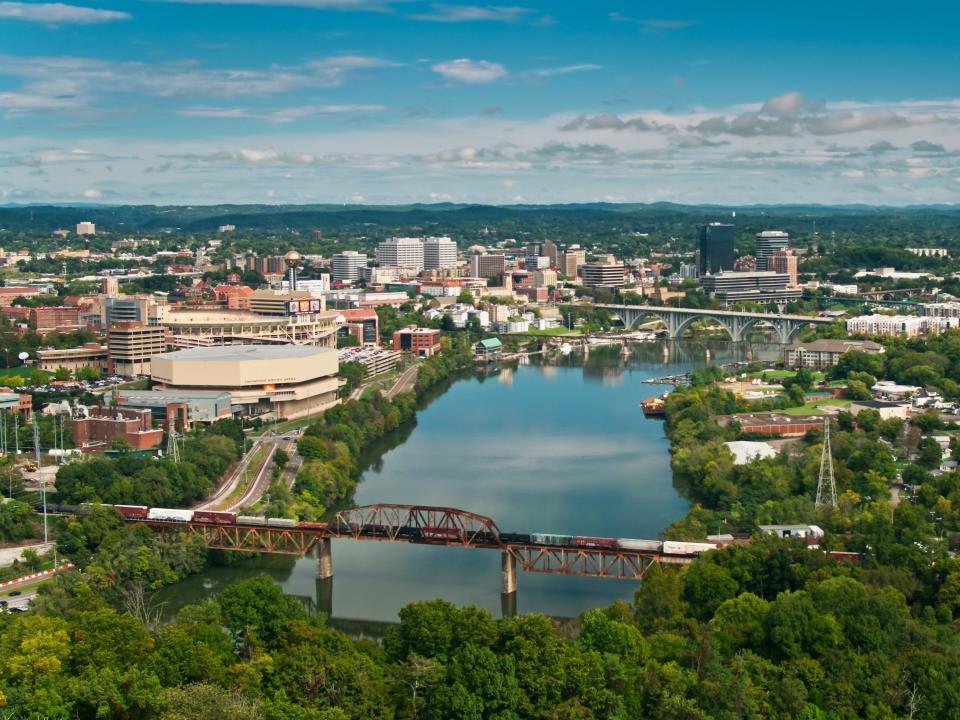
421,524
737,324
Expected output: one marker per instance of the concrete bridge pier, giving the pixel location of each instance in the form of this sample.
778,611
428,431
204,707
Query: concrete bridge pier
324,559
324,590
508,574
508,605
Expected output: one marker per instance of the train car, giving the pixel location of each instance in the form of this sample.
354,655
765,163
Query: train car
311,525
440,533
281,522
170,514
687,549
595,543
251,520
132,512
640,545
215,517
516,538
551,540
844,556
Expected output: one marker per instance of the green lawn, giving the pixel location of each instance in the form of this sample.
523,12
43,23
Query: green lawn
813,408
782,374
23,371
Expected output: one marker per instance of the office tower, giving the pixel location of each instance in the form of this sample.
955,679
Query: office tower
346,265
485,266
715,247
439,253
769,242
570,261
86,228
549,250
605,271
405,252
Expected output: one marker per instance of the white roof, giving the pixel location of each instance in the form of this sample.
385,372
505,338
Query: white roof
745,451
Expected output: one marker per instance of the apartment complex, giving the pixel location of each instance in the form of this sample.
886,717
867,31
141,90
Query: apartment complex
909,325
823,354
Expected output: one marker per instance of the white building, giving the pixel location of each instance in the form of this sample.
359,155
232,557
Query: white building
909,325
768,243
346,265
439,253
941,309
86,228
929,252
407,252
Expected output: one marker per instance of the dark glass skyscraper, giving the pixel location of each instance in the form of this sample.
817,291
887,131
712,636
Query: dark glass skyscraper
715,248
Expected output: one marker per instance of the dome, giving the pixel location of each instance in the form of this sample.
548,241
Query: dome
292,258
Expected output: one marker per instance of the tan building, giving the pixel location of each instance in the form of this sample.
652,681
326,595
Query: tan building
823,354
91,355
605,271
283,381
131,346
784,261
545,278
569,261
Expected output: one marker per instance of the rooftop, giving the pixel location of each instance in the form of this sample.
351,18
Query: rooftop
163,397
837,345
244,353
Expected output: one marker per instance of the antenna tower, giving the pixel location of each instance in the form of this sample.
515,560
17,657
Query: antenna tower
826,486
173,448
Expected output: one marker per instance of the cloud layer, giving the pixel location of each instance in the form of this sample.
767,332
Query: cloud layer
58,13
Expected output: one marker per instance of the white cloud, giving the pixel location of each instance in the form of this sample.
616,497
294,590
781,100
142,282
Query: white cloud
470,71
374,5
565,70
441,12
91,194
790,104
58,13
278,115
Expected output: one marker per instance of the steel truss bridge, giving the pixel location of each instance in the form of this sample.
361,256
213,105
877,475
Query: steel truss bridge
737,324
422,524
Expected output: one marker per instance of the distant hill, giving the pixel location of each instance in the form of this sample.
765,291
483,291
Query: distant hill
44,218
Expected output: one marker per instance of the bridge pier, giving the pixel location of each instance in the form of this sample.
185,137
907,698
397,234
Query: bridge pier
324,601
508,573
324,559
508,605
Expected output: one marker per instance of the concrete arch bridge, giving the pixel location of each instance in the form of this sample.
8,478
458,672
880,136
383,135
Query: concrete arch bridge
737,324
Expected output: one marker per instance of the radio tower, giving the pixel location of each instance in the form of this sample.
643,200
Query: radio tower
826,486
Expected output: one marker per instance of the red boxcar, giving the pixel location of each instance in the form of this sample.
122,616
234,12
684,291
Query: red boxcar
132,512
213,516
595,542
311,525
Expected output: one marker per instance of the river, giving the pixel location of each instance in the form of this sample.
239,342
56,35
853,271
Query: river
556,444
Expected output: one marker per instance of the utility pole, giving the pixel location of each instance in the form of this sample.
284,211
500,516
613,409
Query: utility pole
16,431
3,432
826,485
43,482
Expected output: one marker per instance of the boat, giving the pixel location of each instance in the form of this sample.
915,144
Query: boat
652,407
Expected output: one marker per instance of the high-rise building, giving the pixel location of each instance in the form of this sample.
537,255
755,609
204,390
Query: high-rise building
86,228
406,252
570,261
130,347
537,262
549,250
784,261
715,248
346,265
439,253
487,265
605,271
769,242
545,278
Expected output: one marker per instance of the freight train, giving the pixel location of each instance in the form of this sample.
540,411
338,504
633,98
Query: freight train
427,535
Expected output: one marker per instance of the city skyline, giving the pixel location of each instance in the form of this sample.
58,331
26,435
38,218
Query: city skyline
351,101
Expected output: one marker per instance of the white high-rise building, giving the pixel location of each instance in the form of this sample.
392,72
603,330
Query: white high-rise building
86,228
346,265
768,243
439,253
405,252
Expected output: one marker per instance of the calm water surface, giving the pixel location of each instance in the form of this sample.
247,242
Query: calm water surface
557,445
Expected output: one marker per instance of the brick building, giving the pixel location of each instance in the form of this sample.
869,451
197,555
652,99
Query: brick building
60,318
420,341
104,425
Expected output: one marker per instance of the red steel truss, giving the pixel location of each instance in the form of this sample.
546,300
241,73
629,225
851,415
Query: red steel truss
619,564
244,538
416,523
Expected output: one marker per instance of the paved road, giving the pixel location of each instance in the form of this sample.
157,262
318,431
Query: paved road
258,484
405,382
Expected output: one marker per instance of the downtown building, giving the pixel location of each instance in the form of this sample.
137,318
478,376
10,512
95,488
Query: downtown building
769,242
760,287
346,266
404,252
605,271
439,253
484,266
714,248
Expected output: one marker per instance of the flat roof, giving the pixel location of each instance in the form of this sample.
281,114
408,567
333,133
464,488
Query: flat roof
245,353
153,397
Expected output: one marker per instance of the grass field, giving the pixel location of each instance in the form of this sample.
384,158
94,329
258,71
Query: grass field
782,374
813,408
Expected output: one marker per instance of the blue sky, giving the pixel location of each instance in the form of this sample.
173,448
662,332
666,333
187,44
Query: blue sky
394,101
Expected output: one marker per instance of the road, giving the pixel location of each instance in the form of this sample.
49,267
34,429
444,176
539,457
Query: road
258,484
404,383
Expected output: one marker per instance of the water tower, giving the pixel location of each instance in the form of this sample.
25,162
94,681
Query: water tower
292,260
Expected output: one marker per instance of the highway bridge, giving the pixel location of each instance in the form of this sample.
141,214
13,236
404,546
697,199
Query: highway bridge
737,324
421,524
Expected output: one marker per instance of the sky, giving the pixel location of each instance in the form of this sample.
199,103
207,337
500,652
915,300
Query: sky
400,101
